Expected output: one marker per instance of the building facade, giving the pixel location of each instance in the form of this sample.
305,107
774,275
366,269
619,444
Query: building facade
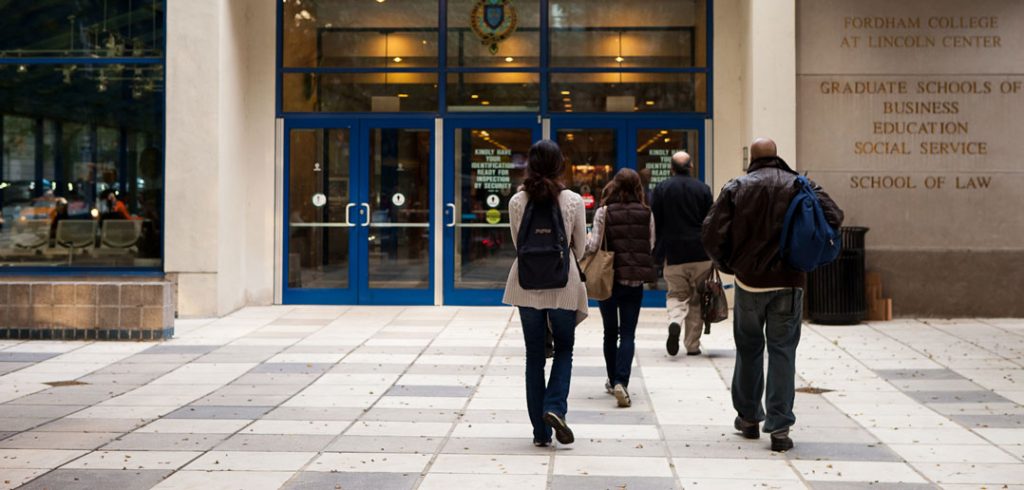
364,151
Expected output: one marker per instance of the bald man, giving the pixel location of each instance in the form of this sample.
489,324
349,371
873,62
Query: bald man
742,234
679,205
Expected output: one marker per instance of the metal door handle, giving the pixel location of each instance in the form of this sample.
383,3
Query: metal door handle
367,206
452,223
348,207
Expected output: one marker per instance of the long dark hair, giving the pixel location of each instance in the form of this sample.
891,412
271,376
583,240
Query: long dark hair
625,187
543,172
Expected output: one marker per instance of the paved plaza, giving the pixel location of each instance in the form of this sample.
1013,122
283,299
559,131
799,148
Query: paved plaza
433,398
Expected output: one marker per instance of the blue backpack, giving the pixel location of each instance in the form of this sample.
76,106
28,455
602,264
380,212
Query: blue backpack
808,241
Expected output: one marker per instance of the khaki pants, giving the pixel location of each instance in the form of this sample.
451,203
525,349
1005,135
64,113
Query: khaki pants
682,301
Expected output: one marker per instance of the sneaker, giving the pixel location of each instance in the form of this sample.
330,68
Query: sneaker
748,429
608,386
622,396
562,431
672,344
541,443
693,353
781,441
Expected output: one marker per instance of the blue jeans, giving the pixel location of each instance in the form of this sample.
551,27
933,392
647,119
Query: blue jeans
771,318
620,314
552,397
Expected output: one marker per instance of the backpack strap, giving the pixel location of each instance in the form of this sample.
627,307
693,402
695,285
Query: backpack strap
524,224
802,185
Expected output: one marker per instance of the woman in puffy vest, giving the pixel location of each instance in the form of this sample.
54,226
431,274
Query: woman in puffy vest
624,225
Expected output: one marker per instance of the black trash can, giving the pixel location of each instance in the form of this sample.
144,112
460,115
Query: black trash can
836,292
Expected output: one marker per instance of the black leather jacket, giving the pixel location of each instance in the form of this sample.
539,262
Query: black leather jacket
742,231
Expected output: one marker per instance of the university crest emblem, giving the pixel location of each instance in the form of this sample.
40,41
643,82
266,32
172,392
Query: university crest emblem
493,21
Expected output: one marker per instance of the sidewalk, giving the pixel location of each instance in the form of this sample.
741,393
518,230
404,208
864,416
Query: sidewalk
433,398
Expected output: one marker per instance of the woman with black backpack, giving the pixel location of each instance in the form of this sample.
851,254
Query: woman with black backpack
549,231
623,225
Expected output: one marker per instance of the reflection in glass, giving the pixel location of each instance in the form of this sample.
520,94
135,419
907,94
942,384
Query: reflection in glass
654,150
360,92
627,92
82,28
84,146
493,92
465,49
590,163
366,34
399,221
490,165
634,34
318,229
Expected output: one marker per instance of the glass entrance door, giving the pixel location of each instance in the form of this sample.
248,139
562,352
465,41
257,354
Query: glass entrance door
596,147
485,163
357,218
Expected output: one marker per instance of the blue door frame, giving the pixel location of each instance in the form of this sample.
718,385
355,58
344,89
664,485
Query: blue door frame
452,217
625,128
359,291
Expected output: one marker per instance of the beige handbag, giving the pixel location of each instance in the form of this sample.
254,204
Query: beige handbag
599,269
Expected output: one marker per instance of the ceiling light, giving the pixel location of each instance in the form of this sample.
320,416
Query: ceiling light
668,140
619,59
474,96
486,102
397,59
380,1
566,99
565,92
402,96
509,59
649,102
22,68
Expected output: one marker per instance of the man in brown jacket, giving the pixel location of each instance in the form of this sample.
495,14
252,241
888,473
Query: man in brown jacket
741,235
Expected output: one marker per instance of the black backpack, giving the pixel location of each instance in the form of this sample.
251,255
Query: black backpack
542,249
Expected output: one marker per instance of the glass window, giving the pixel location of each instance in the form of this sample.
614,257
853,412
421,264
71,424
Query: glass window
81,159
654,150
634,34
521,48
490,167
374,34
494,92
360,92
590,162
627,92
318,230
83,28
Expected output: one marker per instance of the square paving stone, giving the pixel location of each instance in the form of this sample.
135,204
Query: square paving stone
96,479
893,374
426,390
364,368
10,410
972,396
817,485
314,413
631,417
559,482
58,440
148,441
833,451
93,425
278,442
993,421
383,444
7,367
316,480
485,445
241,400
417,414
218,412
291,367
18,424
180,349
26,356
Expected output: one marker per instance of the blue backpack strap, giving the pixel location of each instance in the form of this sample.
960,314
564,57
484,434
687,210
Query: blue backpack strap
802,185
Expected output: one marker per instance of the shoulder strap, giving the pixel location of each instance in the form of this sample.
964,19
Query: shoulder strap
524,224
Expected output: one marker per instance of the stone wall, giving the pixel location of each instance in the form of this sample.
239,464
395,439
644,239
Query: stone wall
86,309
